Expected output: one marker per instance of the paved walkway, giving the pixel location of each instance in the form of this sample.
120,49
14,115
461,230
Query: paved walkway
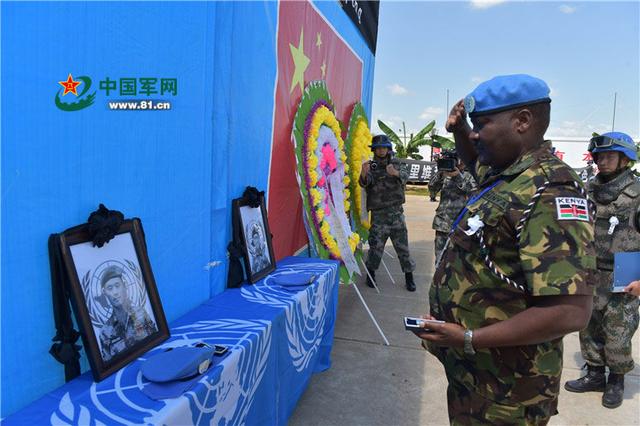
401,384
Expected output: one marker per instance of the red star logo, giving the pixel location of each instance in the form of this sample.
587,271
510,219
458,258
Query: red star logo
70,85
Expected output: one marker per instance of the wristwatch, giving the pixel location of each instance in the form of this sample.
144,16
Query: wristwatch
468,343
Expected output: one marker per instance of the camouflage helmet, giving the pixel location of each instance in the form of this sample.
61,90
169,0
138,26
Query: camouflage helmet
381,141
614,141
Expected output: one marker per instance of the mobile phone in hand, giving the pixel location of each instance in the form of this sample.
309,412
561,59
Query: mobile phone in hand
417,324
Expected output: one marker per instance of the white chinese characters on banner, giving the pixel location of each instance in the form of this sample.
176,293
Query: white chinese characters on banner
426,173
419,171
414,172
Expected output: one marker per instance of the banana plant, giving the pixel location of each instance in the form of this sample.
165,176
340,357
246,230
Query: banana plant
442,142
410,148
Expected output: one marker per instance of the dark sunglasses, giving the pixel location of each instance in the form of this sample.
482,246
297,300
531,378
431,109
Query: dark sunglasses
606,142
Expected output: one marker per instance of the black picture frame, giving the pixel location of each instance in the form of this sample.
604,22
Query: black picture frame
114,296
259,259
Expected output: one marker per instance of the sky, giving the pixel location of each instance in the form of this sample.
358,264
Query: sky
585,51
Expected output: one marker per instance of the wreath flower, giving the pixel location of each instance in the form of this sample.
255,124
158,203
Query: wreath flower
358,151
320,152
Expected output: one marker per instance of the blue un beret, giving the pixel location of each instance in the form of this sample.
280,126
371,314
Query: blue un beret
506,92
177,364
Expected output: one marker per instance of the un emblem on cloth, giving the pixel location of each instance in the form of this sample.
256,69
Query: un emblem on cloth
469,104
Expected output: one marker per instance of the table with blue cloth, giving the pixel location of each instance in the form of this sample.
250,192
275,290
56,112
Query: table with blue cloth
278,336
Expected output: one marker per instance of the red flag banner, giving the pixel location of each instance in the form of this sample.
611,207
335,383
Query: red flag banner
308,48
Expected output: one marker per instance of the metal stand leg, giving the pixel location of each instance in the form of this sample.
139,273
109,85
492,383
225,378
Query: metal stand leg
386,342
389,254
387,269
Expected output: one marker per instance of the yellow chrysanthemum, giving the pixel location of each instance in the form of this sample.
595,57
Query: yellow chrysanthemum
312,161
324,117
333,248
325,228
360,153
316,197
313,177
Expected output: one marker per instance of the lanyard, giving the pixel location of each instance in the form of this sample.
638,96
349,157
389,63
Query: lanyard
471,201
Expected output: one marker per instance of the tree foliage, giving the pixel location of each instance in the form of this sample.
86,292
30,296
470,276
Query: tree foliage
410,148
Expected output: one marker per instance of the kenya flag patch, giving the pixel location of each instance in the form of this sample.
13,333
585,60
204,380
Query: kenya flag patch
570,208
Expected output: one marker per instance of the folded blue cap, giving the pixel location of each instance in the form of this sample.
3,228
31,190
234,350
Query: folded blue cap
167,390
294,280
177,364
506,92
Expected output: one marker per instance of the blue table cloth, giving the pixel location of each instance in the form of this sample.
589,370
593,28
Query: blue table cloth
277,335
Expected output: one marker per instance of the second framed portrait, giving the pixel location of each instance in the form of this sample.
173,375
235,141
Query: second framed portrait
259,259
114,295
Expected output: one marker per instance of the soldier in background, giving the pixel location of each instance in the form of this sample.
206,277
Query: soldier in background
455,187
384,179
589,170
606,342
514,278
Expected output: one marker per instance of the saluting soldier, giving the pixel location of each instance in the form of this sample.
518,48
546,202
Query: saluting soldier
606,342
514,276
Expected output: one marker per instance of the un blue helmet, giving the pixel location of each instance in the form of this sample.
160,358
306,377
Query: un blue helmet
614,141
381,141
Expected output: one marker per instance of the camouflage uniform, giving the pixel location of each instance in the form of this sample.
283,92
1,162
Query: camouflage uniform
607,339
433,185
385,197
455,192
123,329
519,384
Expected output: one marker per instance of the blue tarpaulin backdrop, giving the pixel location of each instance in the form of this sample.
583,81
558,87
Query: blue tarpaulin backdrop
176,170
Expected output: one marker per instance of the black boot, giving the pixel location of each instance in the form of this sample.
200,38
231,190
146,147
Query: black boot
593,381
408,278
614,392
372,275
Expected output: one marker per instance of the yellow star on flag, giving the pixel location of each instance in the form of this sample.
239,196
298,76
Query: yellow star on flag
318,40
300,62
324,68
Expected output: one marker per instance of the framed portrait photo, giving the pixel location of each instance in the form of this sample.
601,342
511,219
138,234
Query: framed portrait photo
259,259
114,296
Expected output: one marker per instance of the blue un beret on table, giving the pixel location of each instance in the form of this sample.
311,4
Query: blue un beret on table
173,372
294,280
506,92
177,364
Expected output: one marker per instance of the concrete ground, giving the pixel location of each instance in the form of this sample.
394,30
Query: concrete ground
401,384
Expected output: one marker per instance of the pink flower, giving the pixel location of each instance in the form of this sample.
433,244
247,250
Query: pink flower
328,163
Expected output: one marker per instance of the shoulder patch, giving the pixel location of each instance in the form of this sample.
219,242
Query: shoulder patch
572,208
496,199
632,191
560,173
